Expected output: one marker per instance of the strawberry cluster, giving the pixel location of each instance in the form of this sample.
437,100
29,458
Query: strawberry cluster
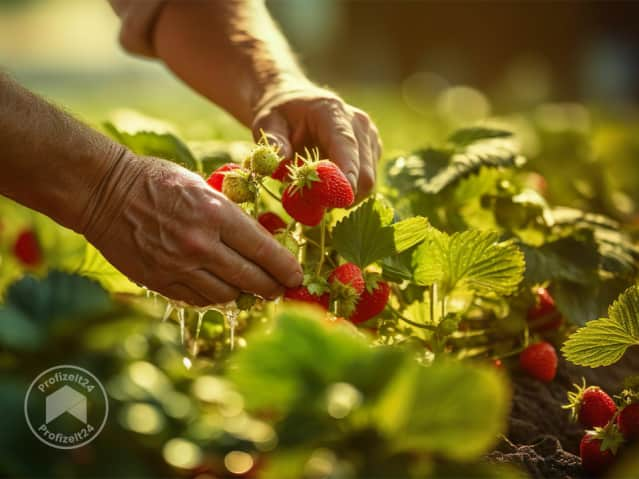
310,187
608,424
348,292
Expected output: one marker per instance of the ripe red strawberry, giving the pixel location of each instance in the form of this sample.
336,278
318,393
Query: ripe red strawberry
591,406
301,207
593,459
282,172
27,248
628,422
217,177
371,303
543,316
340,193
348,274
539,361
323,182
301,293
272,222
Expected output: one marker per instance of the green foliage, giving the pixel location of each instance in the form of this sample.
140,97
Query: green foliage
466,136
473,260
32,305
367,235
162,145
452,410
604,341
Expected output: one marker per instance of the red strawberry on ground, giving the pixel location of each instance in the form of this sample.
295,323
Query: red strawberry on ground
272,222
593,459
371,303
301,207
591,406
301,293
27,248
349,274
628,422
217,177
539,361
544,316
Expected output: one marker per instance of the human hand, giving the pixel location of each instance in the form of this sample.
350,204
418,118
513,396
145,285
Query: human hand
166,229
312,117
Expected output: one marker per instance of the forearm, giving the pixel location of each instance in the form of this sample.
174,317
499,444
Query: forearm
50,162
229,51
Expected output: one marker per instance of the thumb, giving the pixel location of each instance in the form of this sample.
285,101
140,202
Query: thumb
275,127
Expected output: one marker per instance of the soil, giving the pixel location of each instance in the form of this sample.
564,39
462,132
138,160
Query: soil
541,437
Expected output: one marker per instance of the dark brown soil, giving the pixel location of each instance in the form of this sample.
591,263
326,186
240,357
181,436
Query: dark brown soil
541,437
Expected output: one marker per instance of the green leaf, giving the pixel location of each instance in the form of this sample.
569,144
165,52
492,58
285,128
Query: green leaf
604,341
58,295
474,260
573,259
405,173
95,266
366,235
451,409
464,164
409,232
163,145
16,331
466,136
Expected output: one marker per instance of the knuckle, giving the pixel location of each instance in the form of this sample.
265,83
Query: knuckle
362,118
366,180
241,273
263,248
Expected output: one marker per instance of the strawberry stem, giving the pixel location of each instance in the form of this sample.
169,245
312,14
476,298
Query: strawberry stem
322,246
411,322
265,188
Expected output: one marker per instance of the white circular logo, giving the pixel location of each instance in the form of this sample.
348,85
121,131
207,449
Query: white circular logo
66,407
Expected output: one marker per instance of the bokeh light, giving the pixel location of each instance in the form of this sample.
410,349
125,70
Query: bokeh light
238,462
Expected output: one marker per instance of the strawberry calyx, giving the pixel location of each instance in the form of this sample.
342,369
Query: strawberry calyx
303,171
609,435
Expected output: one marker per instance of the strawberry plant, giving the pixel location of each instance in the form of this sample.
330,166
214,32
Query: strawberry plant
390,360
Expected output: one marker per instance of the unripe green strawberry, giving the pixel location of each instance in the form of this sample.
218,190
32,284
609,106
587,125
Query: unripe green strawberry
237,187
217,177
264,160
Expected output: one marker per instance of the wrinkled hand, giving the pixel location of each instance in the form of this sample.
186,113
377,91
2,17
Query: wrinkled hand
312,117
165,228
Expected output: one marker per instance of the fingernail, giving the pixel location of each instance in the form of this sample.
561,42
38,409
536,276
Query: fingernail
296,279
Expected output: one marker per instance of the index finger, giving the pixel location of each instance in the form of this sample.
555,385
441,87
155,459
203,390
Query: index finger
335,133
248,238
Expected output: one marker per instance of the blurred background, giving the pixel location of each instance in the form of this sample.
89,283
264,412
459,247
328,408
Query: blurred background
405,59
